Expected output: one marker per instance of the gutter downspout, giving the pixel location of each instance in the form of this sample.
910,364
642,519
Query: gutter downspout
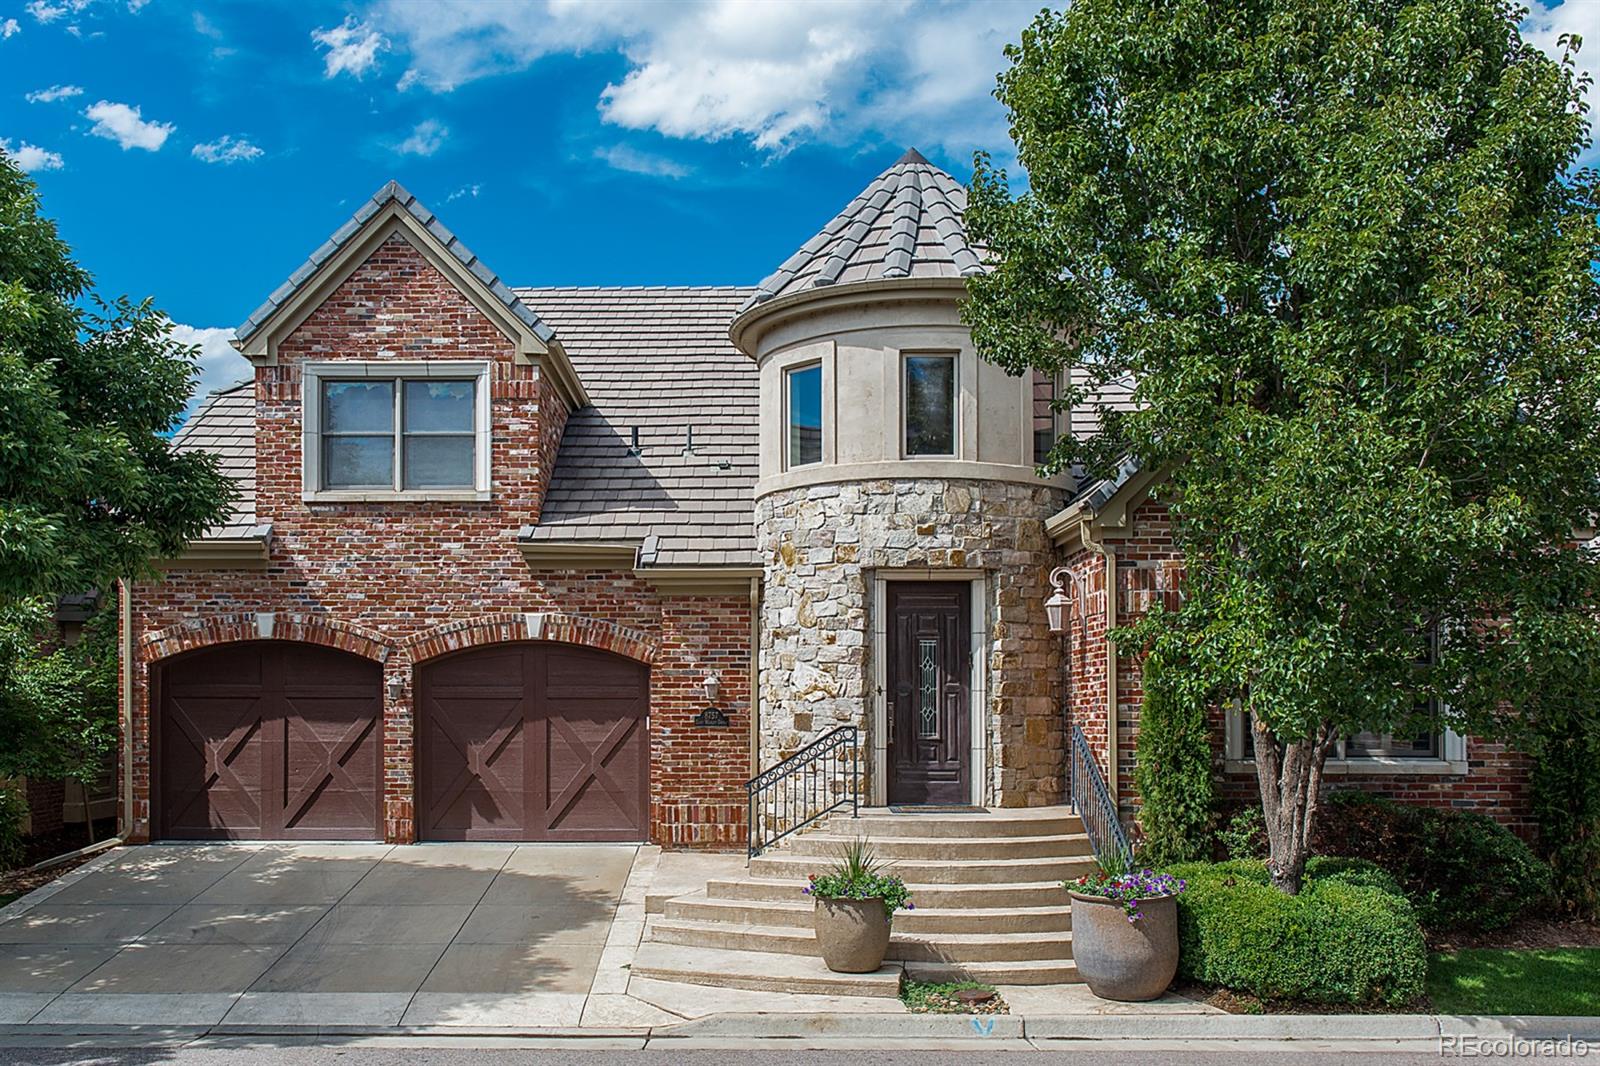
1110,556
125,712
755,676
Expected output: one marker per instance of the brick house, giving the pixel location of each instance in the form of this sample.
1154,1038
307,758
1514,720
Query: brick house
575,563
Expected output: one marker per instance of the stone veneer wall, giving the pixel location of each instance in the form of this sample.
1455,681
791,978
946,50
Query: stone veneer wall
821,547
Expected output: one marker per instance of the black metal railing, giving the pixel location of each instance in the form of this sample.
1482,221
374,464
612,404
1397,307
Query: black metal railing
820,778
1094,806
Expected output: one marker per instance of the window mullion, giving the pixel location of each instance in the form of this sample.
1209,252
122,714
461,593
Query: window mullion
399,437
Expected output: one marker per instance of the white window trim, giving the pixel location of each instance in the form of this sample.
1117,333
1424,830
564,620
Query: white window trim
1452,756
906,355
788,373
311,377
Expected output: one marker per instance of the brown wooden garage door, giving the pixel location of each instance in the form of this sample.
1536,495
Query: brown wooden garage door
533,742
268,741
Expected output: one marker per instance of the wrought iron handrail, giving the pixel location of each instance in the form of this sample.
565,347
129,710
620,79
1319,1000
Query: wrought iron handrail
1094,806
817,780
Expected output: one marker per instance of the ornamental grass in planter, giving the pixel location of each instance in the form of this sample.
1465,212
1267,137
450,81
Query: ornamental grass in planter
1125,932
854,904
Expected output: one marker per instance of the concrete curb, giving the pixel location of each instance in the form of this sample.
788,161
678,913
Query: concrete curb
1351,1031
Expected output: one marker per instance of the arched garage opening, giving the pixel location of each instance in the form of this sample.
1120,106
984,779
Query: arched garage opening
533,741
267,740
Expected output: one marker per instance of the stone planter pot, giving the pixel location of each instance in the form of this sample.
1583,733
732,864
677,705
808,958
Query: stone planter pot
852,933
1123,960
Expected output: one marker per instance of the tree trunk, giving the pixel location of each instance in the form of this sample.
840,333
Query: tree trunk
1290,778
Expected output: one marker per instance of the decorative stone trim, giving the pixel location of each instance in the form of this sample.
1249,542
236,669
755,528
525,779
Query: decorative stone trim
204,631
533,625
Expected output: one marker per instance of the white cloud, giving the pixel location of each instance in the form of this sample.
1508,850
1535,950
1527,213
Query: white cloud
30,157
624,157
43,12
775,74
465,190
9,28
353,47
1545,26
54,93
220,364
226,150
426,138
124,124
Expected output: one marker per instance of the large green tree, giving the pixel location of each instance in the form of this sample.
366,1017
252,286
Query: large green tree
90,487
1343,250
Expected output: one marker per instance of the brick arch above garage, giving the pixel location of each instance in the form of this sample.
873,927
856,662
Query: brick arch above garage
208,630
551,626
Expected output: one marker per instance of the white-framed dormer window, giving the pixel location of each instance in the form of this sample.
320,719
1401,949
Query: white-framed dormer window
1362,753
802,415
929,404
395,431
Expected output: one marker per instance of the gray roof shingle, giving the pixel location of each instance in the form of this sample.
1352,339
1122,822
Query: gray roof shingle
657,359
393,191
225,426
906,224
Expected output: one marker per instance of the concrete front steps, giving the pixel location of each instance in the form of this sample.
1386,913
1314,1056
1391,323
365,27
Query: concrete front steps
989,907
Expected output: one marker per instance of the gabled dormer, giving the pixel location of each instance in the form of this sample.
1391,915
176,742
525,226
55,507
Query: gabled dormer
394,366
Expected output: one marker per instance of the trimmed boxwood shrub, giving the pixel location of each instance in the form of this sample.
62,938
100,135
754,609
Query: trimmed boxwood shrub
1348,937
1462,870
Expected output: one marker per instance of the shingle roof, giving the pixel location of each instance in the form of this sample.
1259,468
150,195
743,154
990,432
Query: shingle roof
906,224
225,426
393,192
658,359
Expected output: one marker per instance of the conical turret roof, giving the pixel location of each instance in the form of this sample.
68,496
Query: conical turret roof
906,224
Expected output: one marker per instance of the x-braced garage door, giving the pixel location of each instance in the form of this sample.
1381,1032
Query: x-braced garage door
533,741
268,741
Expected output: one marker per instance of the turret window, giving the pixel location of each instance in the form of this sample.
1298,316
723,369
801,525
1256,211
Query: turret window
930,405
803,414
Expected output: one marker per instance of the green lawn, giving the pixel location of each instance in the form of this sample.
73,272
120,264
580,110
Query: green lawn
1497,981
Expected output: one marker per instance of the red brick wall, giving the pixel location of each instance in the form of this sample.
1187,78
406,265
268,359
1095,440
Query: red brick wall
386,575
1148,571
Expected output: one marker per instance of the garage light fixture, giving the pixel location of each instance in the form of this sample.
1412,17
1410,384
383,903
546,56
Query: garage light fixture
397,688
710,683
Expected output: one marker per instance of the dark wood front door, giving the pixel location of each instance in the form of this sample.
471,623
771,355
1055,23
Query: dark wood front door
268,741
928,660
533,742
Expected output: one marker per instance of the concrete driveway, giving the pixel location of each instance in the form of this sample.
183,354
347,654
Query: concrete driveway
318,934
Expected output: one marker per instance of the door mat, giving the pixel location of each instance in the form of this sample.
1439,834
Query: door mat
948,808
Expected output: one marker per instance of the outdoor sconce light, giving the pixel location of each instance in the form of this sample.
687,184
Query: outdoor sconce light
397,688
1055,608
712,716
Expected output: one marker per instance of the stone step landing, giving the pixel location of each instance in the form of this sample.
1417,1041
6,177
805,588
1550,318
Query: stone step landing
989,907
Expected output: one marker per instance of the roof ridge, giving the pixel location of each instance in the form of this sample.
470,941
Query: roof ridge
393,192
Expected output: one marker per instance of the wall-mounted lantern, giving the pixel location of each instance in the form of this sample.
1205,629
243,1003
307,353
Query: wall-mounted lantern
397,688
713,715
1057,609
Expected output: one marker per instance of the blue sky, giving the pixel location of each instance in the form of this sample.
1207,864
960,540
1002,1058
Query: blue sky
198,153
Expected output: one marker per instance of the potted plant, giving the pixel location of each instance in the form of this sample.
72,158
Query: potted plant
1125,931
854,904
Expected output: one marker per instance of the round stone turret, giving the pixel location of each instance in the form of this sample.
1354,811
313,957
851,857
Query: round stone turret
898,509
